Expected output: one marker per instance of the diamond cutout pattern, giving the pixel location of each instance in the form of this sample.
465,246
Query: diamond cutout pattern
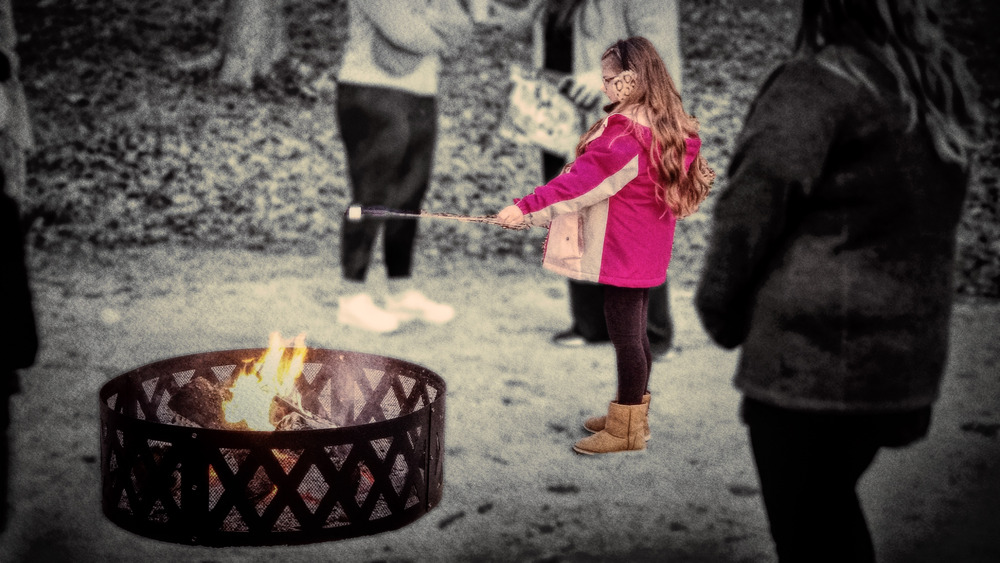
399,470
381,447
309,371
381,510
337,517
183,377
287,458
223,373
149,386
313,488
234,521
203,487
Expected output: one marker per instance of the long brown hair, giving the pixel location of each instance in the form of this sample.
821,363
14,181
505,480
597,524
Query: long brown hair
655,94
903,35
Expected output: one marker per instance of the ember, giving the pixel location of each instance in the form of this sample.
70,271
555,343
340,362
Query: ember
354,446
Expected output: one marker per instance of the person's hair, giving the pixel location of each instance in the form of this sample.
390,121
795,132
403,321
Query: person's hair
655,94
904,36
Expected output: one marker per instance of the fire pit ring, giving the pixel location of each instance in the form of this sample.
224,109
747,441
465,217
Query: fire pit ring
379,469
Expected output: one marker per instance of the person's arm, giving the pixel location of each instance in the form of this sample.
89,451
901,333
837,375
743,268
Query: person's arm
656,21
450,20
514,20
584,88
779,156
610,162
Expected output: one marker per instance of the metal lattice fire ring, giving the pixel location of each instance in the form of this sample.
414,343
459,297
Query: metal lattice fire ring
365,454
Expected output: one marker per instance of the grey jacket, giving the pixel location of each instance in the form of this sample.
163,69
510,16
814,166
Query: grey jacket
832,246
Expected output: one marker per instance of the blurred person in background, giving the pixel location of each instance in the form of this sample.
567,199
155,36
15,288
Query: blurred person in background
16,139
20,336
387,113
569,37
831,257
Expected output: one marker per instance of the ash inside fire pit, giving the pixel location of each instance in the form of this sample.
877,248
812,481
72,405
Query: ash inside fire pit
367,457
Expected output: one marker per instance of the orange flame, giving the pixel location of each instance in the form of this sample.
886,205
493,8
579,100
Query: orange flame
271,375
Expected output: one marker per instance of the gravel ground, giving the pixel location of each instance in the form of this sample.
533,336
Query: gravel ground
514,490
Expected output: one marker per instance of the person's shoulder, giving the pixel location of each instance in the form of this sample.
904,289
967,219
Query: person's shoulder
834,66
616,118
614,125
627,120
620,126
855,68
808,78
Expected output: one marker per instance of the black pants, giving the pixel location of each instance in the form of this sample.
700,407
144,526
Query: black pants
389,138
586,305
586,300
625,309
809,464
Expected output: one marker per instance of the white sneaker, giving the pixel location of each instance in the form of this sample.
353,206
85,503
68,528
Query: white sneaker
414,305
361,312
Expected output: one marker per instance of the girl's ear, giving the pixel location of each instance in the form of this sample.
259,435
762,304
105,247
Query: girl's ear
624,84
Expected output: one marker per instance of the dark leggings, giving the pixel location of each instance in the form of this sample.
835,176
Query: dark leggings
389,139
625,312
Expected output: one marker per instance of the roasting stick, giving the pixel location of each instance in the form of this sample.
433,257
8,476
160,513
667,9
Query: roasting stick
357,212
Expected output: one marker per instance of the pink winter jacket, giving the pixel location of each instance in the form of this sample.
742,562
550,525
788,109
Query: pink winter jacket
605,224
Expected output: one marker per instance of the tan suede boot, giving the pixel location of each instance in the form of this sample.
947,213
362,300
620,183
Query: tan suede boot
596,423
623,431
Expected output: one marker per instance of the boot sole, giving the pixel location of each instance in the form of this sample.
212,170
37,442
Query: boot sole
646,437
587,452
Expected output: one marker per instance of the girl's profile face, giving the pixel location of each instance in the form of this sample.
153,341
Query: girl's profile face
609,70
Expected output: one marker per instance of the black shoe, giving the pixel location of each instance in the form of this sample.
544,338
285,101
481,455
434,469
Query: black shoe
660,346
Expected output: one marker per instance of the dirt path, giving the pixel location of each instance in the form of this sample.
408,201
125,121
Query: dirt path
514,490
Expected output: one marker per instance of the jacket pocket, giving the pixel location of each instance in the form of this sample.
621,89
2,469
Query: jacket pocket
565,244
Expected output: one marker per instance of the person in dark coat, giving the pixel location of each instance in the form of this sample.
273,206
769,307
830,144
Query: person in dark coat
831,255
19,341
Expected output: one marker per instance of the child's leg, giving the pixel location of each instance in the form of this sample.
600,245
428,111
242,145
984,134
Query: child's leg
625,311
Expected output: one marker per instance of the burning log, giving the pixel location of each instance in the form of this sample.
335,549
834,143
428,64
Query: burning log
291,417
200,401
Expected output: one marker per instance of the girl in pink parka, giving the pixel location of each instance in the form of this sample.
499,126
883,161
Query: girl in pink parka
611,217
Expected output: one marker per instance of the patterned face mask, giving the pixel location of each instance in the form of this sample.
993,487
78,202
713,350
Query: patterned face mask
624,84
